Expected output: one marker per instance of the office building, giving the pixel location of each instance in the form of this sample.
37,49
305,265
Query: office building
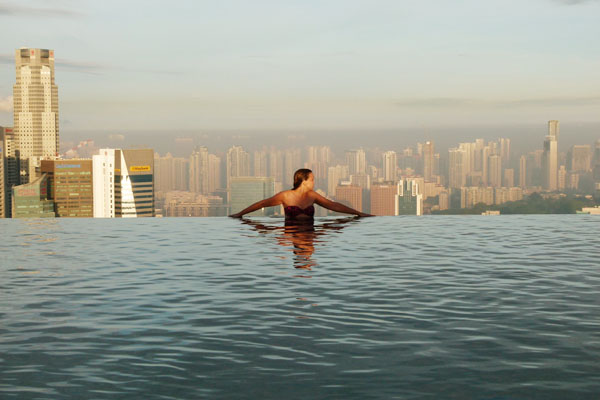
350,195
384,198
35,97
123,183
550,157
409,200
389,166
30,200
248,190
70,186
2,179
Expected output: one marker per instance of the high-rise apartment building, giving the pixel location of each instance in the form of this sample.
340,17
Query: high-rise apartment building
562,178
428,161
292,159
495,170
457,167
199,170
523,172
170,173
35,97
334,176
550,156
214,173
504,144
444,200
260,164
238,163
123,183
70,186
580,158
249,190
389,166
509,177
596,168
356,161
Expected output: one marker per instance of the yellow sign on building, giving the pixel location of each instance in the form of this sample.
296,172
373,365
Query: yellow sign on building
139,168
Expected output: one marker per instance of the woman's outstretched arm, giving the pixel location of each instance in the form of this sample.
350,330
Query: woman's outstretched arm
338,207
270,202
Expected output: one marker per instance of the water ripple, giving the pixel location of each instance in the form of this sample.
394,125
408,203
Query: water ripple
390,307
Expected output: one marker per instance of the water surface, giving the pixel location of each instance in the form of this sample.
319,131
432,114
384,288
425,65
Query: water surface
463,307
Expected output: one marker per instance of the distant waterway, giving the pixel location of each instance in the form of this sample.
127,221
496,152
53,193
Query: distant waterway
434,307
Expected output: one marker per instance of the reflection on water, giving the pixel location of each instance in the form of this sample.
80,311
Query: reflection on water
301,237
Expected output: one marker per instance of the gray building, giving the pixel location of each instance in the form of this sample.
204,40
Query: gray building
248,190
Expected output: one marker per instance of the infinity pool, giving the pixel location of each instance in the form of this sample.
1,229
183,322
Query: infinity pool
453,307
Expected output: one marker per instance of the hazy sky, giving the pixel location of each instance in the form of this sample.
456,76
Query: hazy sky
124,65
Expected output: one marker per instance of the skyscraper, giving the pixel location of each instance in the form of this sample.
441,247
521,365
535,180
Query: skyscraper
523,171
580,158
238,163
356,161
123,183
214,173
35,97
199,170
409,200
428,161
457,160
550,156
495,168
389,166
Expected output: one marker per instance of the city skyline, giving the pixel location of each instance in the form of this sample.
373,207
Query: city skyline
310,66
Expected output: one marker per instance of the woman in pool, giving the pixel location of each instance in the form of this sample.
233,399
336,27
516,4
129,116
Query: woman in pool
298,202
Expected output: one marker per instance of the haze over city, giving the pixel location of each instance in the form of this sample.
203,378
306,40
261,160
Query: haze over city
222,73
